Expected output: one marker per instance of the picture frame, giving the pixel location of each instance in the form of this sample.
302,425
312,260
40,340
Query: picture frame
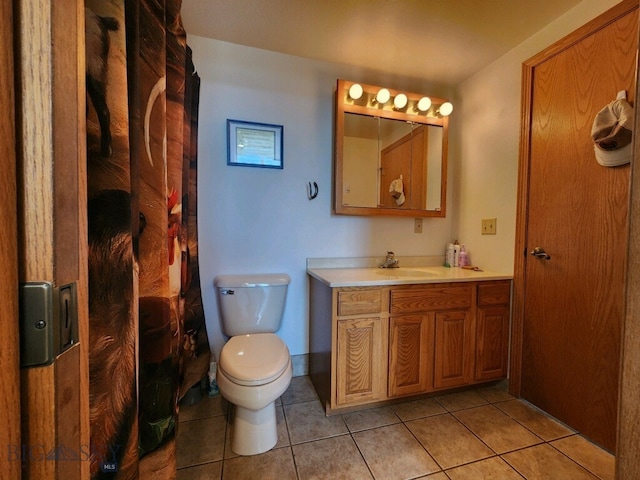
252,144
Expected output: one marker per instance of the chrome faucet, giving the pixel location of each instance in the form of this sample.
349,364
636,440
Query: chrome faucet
390,262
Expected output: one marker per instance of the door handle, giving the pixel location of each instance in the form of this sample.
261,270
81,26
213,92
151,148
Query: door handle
539,252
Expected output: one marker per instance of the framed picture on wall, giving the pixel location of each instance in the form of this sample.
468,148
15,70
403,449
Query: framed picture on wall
253,144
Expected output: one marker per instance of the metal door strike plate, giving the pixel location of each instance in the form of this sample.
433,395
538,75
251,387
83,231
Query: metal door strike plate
48,322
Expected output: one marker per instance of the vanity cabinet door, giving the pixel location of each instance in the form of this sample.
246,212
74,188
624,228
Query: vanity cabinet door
492,352
493,343
454,348
411,340
361,360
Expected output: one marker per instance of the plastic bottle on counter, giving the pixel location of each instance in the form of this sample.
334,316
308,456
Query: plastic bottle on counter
448,256
456,254
463,257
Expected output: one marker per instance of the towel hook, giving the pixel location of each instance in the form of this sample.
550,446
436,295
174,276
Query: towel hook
312,191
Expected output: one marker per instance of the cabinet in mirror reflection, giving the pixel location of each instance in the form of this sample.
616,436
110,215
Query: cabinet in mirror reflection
388,161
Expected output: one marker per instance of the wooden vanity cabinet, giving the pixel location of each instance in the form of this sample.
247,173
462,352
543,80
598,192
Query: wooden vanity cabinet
371,344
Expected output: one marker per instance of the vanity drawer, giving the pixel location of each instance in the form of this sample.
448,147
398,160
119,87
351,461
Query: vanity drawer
428,298
359,301
494,293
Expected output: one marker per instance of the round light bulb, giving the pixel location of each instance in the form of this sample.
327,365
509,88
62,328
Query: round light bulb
400,101
383,96
424,104
445,109
355,91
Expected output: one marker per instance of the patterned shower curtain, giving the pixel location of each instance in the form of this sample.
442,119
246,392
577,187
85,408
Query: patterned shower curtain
148,342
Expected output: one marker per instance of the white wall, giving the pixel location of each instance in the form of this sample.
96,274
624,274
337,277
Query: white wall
487,142
254,220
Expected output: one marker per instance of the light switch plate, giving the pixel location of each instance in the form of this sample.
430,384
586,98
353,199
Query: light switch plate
417,226
489,226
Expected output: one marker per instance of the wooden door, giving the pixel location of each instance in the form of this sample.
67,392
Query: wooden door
406,158
569,308
395,163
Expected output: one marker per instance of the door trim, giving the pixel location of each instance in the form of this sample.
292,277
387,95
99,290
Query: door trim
10,437
52,225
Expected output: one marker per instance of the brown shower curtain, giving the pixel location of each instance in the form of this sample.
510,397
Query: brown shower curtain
147,330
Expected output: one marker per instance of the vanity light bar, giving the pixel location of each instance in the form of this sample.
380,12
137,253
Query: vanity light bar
400,101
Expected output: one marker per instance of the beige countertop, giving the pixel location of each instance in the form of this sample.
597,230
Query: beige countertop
368,276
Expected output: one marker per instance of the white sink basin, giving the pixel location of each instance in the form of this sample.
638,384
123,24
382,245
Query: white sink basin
404,272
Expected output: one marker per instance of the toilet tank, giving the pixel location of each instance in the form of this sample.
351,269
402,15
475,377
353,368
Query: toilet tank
251,303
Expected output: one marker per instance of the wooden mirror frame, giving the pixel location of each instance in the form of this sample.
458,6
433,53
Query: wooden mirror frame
343,104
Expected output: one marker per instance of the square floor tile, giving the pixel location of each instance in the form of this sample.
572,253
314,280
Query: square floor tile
595,459
200,441
411,410
205,408
300,390
544,462
331,458
493,468
393,453
495,428
461,400
272,465
494,394
307,421
370,418
435,476
208,471
535,420
448,441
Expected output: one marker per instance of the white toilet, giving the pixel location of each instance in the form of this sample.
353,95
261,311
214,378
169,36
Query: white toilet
254,368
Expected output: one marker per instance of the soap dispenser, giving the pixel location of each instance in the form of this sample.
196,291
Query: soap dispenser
463,257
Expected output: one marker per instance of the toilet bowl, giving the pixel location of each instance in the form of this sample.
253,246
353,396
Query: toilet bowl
254,368
253,371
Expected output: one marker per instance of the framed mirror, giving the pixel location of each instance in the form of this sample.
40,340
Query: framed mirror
390,157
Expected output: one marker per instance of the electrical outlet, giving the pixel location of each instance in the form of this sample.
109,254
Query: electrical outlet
417,226
489,226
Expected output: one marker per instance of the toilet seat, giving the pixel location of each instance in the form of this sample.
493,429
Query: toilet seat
254,359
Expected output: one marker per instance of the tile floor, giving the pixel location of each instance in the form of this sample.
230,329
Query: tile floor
477,434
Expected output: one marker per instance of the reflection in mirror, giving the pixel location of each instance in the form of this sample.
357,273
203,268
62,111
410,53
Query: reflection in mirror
389,162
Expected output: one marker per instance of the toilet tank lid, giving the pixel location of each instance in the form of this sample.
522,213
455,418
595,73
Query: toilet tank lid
252,280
